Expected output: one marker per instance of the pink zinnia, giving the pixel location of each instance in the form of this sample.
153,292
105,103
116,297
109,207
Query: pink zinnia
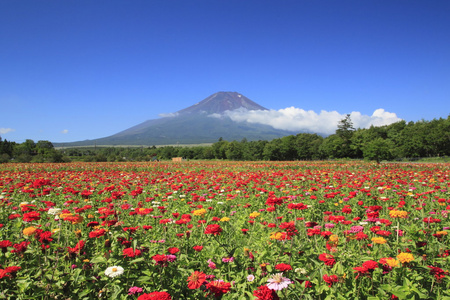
277,282
133,290
211,264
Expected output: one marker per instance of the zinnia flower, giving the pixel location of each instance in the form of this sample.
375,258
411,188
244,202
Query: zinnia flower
405,257
391,262
379,240
114,271
198,248
330,279
214,229
264,293
283,267
29,231
328,259
54,211
199,212
196,280
360,271
130,252
277,282
438,273
218,287
370,265
254,215
155,296
134,290
31,216
398,214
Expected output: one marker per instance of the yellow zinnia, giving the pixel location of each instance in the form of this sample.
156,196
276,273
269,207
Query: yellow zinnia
199,212
254,215
398,214
333,238
225,219
392,262
65,215
29,231
279,236
405,257
379,240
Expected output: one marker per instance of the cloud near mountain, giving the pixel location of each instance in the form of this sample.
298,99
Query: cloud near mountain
299,120
6,130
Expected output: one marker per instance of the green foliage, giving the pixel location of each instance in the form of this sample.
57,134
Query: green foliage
390,142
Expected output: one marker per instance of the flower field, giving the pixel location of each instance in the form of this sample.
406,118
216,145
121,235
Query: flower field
224,230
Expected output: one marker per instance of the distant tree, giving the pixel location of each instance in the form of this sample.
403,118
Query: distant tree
332,147
233,151
272,150
219,149
253,150
6,147
307,146
345,128
345,132
378,149
287,148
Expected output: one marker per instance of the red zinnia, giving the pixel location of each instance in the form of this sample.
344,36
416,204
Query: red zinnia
160,259
77,249
196,280
218,288
31,216
5,244
130,252
198,248
213,229
21,247
283,267
97,233
360,271
173,250
328,259
264,293
438,273
330,279
155,296
370,265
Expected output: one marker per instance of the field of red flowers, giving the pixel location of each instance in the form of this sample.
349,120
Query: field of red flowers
230,230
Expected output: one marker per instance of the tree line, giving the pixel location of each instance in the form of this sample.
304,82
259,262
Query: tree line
398,140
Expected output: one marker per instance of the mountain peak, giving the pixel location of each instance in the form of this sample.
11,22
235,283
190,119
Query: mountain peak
220,102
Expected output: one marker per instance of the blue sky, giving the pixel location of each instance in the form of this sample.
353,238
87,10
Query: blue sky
76,70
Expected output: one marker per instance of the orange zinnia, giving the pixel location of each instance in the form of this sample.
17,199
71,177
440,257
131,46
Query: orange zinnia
196,280
29,231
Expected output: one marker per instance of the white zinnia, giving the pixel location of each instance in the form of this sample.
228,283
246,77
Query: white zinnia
54,211
114,271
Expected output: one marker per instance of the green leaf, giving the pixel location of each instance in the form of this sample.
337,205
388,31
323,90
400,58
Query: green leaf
144,279
23,285
99,259
137,260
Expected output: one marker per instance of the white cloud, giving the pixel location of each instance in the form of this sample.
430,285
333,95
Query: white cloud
65,131
6,130
168,115
299,120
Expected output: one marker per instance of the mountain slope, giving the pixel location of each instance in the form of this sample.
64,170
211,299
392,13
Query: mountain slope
194,125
